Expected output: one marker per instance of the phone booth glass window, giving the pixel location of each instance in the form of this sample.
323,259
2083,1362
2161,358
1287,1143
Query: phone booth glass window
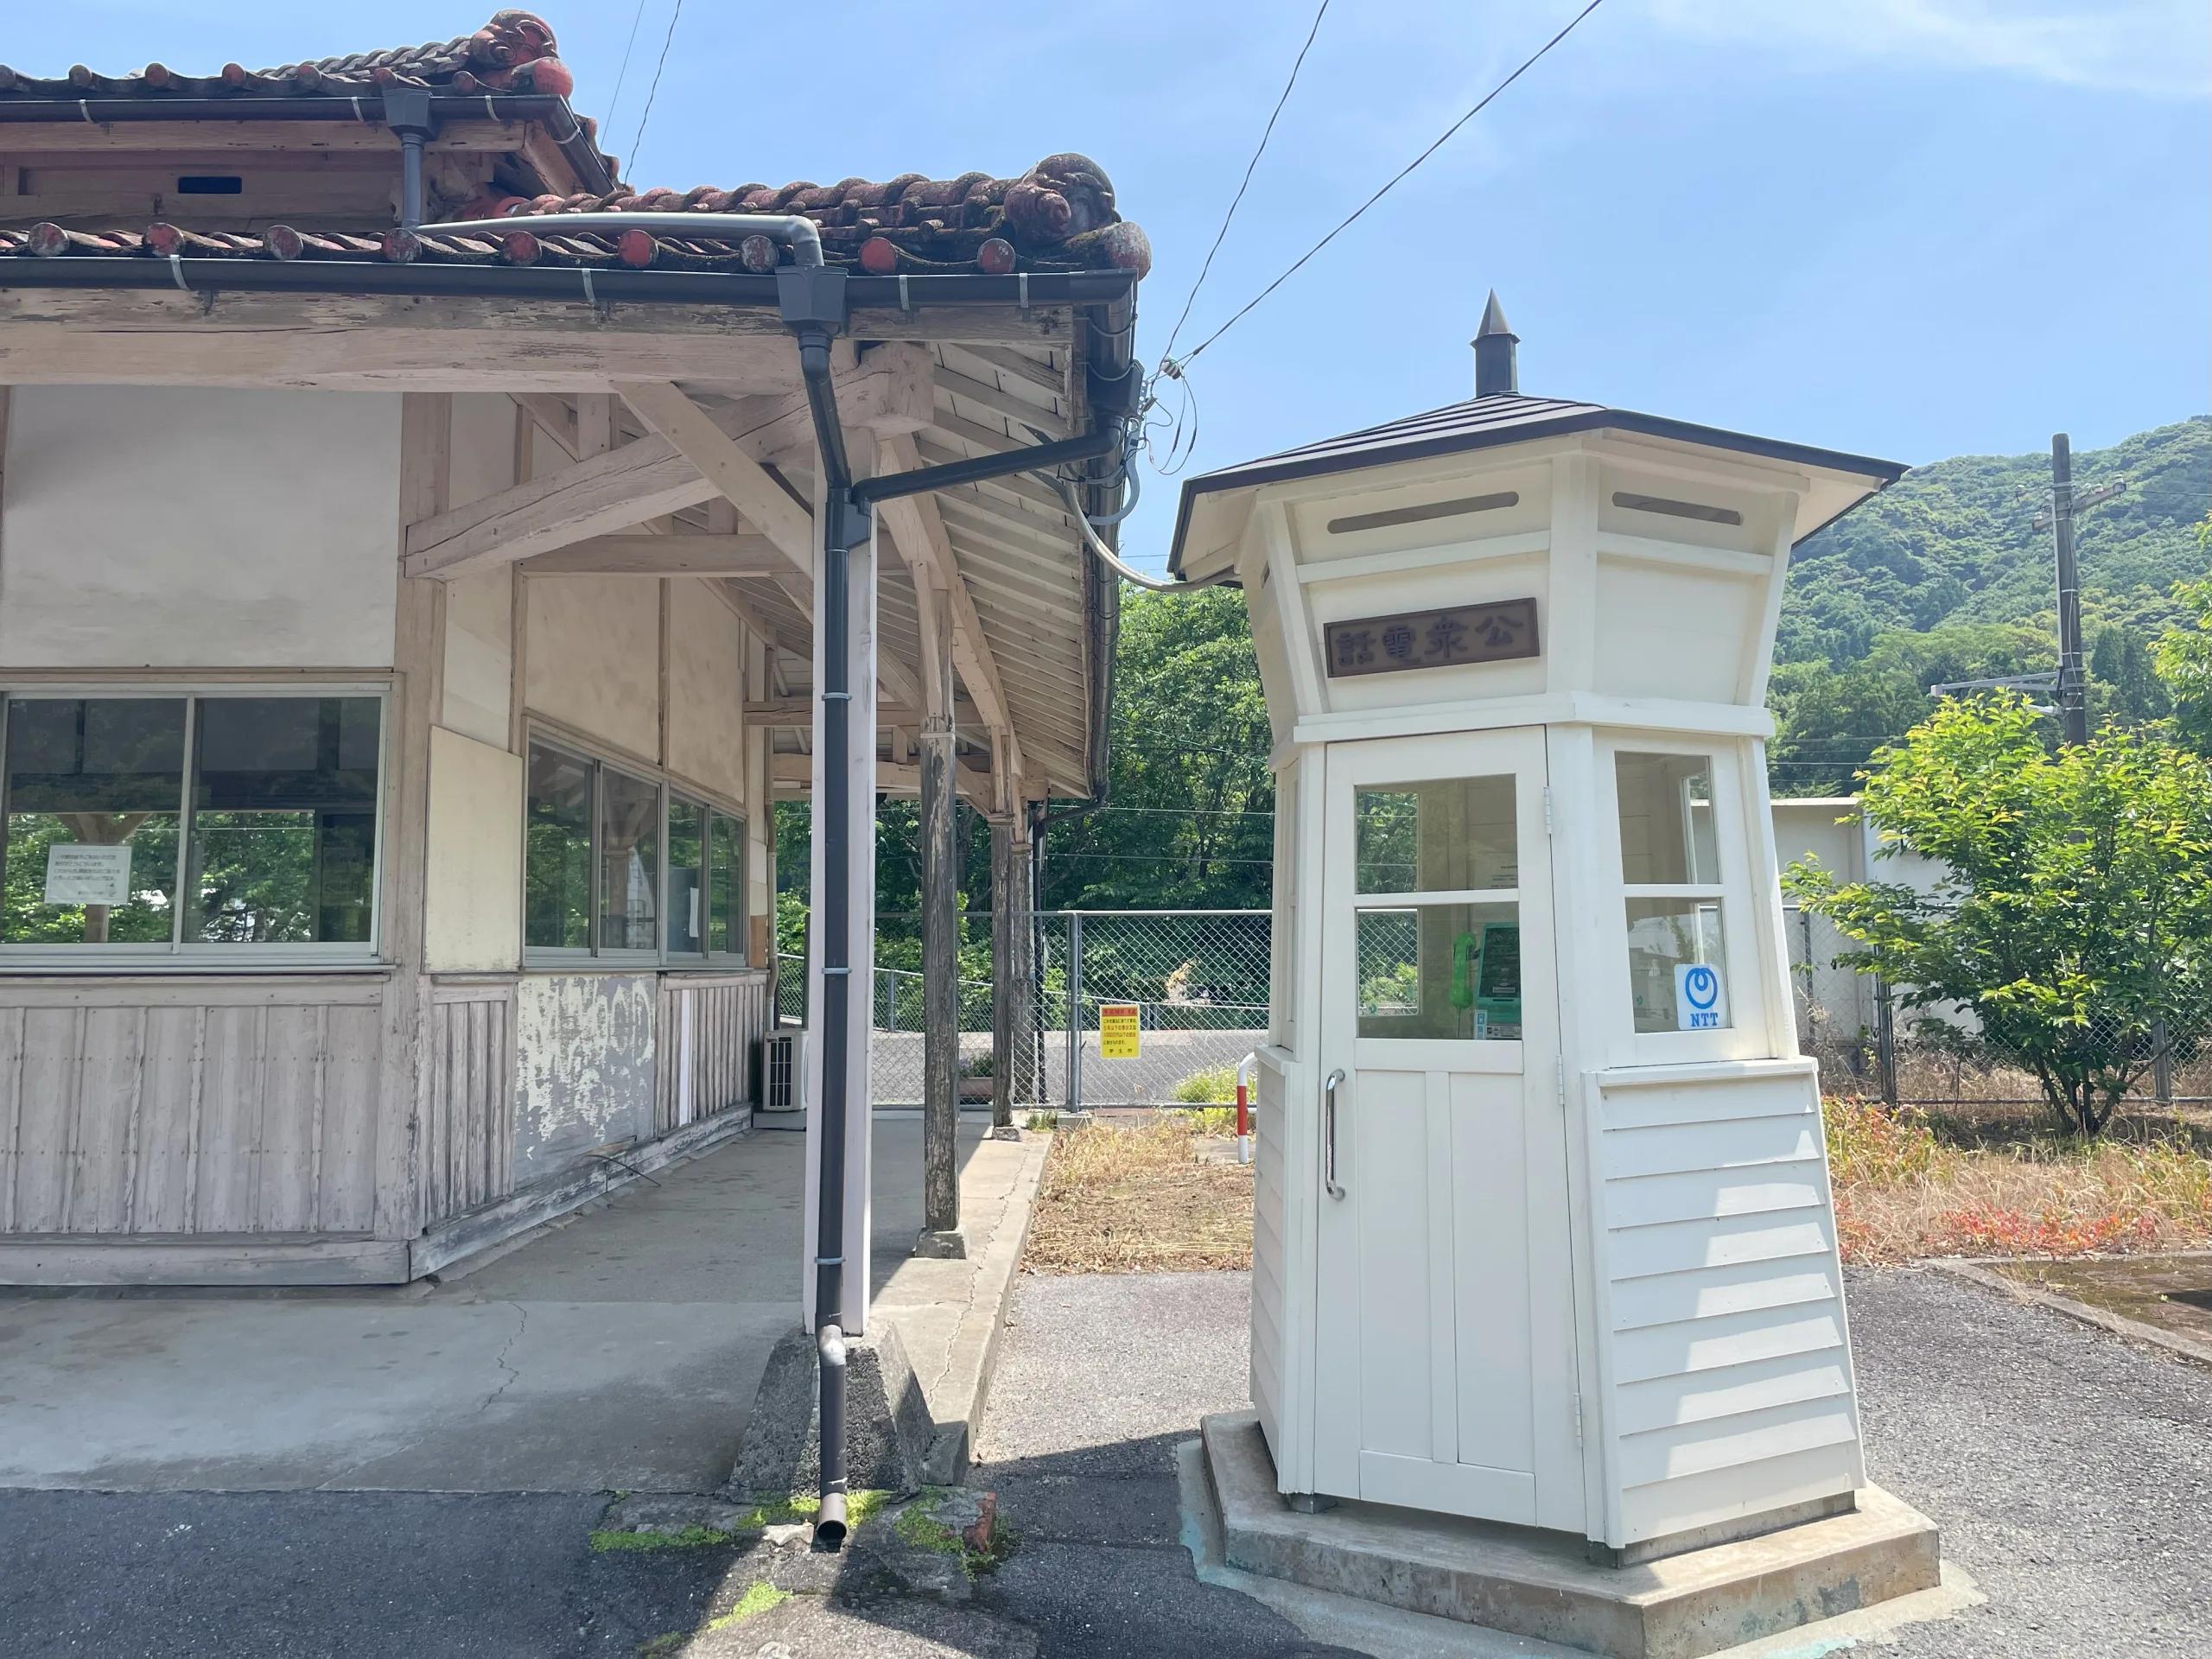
1442,957
1670,865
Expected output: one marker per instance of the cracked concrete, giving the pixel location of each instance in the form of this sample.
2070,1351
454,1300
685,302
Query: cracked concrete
618,1350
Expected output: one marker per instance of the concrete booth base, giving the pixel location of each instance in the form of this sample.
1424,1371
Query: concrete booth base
1544,1586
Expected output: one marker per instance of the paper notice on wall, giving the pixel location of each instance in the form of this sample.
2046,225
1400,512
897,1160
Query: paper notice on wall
1117,1030
77,874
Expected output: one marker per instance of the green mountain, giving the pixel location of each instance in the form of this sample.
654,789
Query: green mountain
1950,543
1943,577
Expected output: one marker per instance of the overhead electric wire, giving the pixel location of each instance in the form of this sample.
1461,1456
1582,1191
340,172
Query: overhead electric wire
1168,351
1173,367
623,73
638,138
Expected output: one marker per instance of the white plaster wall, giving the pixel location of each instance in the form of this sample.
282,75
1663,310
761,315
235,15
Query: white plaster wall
593,657
706,689
190,527
480,608
472,875
583,1067
483,446
480,655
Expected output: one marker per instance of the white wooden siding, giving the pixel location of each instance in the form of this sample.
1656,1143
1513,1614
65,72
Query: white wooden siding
1268,1150
705,1053
189,1106
1730,1381
467,1128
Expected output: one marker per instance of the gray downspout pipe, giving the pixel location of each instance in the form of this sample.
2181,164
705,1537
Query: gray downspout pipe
812,302
407,113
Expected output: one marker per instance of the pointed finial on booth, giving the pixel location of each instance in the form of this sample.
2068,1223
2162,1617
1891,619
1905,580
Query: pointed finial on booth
1496,372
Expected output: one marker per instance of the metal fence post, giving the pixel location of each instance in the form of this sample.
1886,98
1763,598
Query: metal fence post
1075,1011
2162,1064
1885,1044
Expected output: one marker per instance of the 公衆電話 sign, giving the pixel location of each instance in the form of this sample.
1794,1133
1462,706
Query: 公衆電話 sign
1498,632
80,874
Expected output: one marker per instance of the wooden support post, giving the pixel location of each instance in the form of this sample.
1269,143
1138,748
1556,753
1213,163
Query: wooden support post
940,927
418,660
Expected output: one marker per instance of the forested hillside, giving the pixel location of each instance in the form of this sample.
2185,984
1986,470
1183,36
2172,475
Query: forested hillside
1942,577
1950,544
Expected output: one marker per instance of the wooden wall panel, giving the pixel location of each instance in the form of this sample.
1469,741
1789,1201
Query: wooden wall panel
468,1098
1730,1373
53,1039
728,1014
188,1106
168,1114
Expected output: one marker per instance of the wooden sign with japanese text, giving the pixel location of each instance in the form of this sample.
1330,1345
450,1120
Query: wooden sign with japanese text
1497,631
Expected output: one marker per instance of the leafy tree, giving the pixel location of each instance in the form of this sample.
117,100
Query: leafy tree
1830,719
2184,658
1189,821
2075,912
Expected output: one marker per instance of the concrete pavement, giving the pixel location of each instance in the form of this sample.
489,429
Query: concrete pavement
617,1348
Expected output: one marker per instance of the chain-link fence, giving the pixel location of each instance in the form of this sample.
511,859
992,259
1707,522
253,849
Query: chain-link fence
1198,984
1868,1048
1197,981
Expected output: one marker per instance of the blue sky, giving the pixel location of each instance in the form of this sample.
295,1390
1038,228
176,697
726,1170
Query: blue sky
1910,228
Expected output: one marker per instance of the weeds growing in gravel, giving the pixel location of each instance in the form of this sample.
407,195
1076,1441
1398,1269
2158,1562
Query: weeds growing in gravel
1137,1200
1905,1188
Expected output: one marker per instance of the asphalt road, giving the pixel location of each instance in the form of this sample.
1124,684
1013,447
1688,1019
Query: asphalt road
2071,1473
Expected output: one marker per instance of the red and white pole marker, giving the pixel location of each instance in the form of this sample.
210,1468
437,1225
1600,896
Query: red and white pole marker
1244,1109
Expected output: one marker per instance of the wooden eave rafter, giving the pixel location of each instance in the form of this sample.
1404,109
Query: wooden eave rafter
401,342
605,494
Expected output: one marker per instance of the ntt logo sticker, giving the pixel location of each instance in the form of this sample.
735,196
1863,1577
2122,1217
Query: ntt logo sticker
1700,1003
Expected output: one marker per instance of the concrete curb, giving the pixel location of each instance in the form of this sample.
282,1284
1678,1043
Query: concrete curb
2114,1324
959,1397
907,1425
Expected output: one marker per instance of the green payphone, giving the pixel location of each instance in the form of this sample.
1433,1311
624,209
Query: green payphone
1486,975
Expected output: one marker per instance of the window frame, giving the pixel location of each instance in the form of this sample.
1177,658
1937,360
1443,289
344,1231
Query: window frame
1746,1036
202,956
668,785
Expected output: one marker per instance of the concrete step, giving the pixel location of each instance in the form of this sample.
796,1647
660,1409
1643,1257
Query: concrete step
1540,1584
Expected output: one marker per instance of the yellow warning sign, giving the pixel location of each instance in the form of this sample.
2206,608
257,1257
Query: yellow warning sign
1117,1030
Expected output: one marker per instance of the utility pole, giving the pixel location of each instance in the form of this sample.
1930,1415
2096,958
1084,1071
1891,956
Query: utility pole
2073,694
2072,682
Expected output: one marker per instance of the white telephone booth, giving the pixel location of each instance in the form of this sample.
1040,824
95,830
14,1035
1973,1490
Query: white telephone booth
1544,1232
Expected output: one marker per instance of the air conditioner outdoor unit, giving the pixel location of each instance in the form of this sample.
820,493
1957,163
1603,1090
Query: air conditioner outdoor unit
782,1071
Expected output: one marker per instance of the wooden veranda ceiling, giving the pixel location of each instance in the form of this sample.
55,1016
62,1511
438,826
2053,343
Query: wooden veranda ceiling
677,442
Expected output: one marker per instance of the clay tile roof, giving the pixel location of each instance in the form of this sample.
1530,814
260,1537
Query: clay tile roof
513,52
1058,216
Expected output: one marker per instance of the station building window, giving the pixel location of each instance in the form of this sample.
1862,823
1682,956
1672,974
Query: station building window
621,866
178,823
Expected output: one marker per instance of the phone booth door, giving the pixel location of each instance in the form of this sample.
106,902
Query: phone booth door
1446,1316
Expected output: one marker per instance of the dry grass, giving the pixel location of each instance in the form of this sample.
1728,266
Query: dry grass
1910,1185
1137,1200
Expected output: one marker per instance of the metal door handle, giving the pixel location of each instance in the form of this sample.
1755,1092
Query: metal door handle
1329,1132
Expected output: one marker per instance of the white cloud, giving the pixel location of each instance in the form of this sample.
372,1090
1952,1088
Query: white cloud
2157,47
